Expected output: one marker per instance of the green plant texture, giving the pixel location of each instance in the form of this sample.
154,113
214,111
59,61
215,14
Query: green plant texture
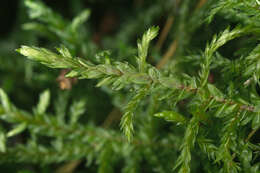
184,100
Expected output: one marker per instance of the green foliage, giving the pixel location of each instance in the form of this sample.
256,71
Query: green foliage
127,119
217,42
174,119
54,26
43,102
172,116
143,47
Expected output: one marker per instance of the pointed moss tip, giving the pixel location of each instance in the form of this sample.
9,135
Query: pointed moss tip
18,50
21,49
